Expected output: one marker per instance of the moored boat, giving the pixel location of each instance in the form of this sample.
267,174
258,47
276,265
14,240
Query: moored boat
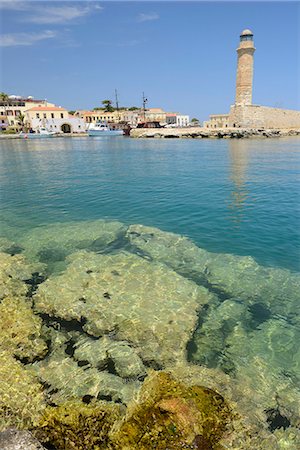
102,129
42,132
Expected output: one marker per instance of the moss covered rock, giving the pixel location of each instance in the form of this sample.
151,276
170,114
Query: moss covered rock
171,415
20,329
75,425
21,395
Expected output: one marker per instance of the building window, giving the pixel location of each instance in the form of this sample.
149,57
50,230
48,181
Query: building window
37,115
62,115
45,115
52,116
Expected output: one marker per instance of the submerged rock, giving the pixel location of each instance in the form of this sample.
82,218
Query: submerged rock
75,425
51,244
20,329
14,271
21,395
66,381
143,303
101,352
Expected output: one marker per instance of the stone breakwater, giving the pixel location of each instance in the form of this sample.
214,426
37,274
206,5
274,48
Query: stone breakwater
217,133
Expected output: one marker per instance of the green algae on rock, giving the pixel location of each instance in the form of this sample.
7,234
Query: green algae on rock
13,271
21,395
75,425
168,414
20,329
146,304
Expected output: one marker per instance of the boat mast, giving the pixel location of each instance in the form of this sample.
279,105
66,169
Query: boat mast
145,100
117,104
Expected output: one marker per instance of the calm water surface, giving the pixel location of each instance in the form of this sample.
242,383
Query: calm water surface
233,196
154,297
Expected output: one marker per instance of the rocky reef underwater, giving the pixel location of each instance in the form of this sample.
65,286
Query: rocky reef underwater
128,337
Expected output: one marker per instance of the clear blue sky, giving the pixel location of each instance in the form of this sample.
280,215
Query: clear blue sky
182,54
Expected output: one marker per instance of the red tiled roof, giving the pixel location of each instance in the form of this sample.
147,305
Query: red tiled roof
46,108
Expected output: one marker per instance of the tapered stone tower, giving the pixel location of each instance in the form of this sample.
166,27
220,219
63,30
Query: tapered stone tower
244,77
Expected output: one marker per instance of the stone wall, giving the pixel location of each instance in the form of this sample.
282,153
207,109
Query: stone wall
254,116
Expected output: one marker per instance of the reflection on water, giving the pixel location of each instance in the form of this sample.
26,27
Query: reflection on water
235,196
92,310
239,160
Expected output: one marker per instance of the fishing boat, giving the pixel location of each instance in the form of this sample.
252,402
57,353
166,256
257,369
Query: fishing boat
102,129
40,133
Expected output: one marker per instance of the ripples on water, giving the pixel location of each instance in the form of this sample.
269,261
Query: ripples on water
239,197
175,301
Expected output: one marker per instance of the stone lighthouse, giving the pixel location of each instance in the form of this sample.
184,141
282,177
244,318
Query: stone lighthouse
243,114
244,77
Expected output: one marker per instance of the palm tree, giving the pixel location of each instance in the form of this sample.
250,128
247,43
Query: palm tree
21,121
4,99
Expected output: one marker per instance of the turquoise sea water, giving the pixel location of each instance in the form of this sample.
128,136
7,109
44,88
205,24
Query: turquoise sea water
159,254
237,196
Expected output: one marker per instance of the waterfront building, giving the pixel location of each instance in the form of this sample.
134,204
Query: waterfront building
243,113
155,115
182,120
54,118
133,118
15,106
217,121
171,119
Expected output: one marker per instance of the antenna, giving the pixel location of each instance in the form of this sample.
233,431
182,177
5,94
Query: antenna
145,100
117,101
117,104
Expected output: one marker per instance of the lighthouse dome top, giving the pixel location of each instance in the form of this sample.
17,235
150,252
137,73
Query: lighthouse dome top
246,33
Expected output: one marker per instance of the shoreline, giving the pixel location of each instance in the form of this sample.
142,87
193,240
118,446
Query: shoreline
189,133
67,135
207,133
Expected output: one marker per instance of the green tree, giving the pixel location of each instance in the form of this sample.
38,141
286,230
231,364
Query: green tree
133,108
21,121
4,97
194,119
107,105
72,112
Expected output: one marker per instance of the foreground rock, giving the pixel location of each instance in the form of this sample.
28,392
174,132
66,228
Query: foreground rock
13,439
22,400
219,133
130,298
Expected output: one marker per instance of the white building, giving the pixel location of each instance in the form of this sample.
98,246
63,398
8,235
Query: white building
53,118
182,120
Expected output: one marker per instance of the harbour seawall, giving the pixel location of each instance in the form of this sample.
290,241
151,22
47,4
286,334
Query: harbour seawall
215,133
